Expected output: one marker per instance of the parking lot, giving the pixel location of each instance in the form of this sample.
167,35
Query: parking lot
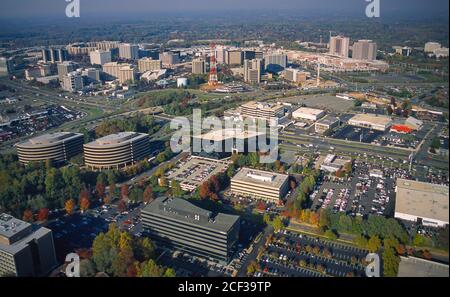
79,230
297,255
194,171
369,190
357,134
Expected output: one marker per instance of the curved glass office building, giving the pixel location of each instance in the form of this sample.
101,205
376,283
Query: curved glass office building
116,150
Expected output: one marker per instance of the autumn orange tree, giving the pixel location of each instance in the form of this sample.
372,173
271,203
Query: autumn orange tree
27,215
69,206
148,194
84,204
100,190
124,191
43,214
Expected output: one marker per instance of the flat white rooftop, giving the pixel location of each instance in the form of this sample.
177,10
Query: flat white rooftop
423,200
223,134
115,139
259,177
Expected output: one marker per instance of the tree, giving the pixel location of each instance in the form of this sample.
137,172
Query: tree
252,268
204,190
170,272
324,219
330,234
176,189
43,214
374,244
69,206
360,241
100,189
87,268
278,223
84,204
148,194
149,269
27,215
124,192
266,219
122,206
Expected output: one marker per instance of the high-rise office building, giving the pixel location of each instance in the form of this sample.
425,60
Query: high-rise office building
199,66
253,71
178,224
339,46
220,54
100,57
121,71
25,250
65,68
55,55
148,64
234,57
91,73
169,58
6,66
276,62
73,82
365,50
129,51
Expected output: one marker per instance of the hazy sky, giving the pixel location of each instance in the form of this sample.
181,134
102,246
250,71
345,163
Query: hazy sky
45,8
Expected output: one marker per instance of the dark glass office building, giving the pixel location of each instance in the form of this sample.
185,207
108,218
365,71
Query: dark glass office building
178,224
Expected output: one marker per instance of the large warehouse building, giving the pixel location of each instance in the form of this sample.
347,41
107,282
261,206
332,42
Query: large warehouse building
422,202
370,121
58,147
178,224
310,114
260,184
116,150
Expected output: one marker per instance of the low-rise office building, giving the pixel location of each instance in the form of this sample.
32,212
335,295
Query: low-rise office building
262,110
178,224
25,250
58,147
371,121
326,124
420,202
260,184
310,114
116,150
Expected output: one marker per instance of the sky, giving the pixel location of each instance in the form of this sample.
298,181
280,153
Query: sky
103,8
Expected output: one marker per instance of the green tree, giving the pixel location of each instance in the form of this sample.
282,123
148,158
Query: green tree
374,244
277,223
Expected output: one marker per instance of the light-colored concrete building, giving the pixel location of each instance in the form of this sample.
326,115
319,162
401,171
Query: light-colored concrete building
116,150
417,267
262,110
371,121
340,46
129,51
253,71
365,50
234,57
73,82
58,147
421,202
430,47
199,66
326,124
310,114
6,66
169,59
260,184
121,71
148,64
100,57
65,68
